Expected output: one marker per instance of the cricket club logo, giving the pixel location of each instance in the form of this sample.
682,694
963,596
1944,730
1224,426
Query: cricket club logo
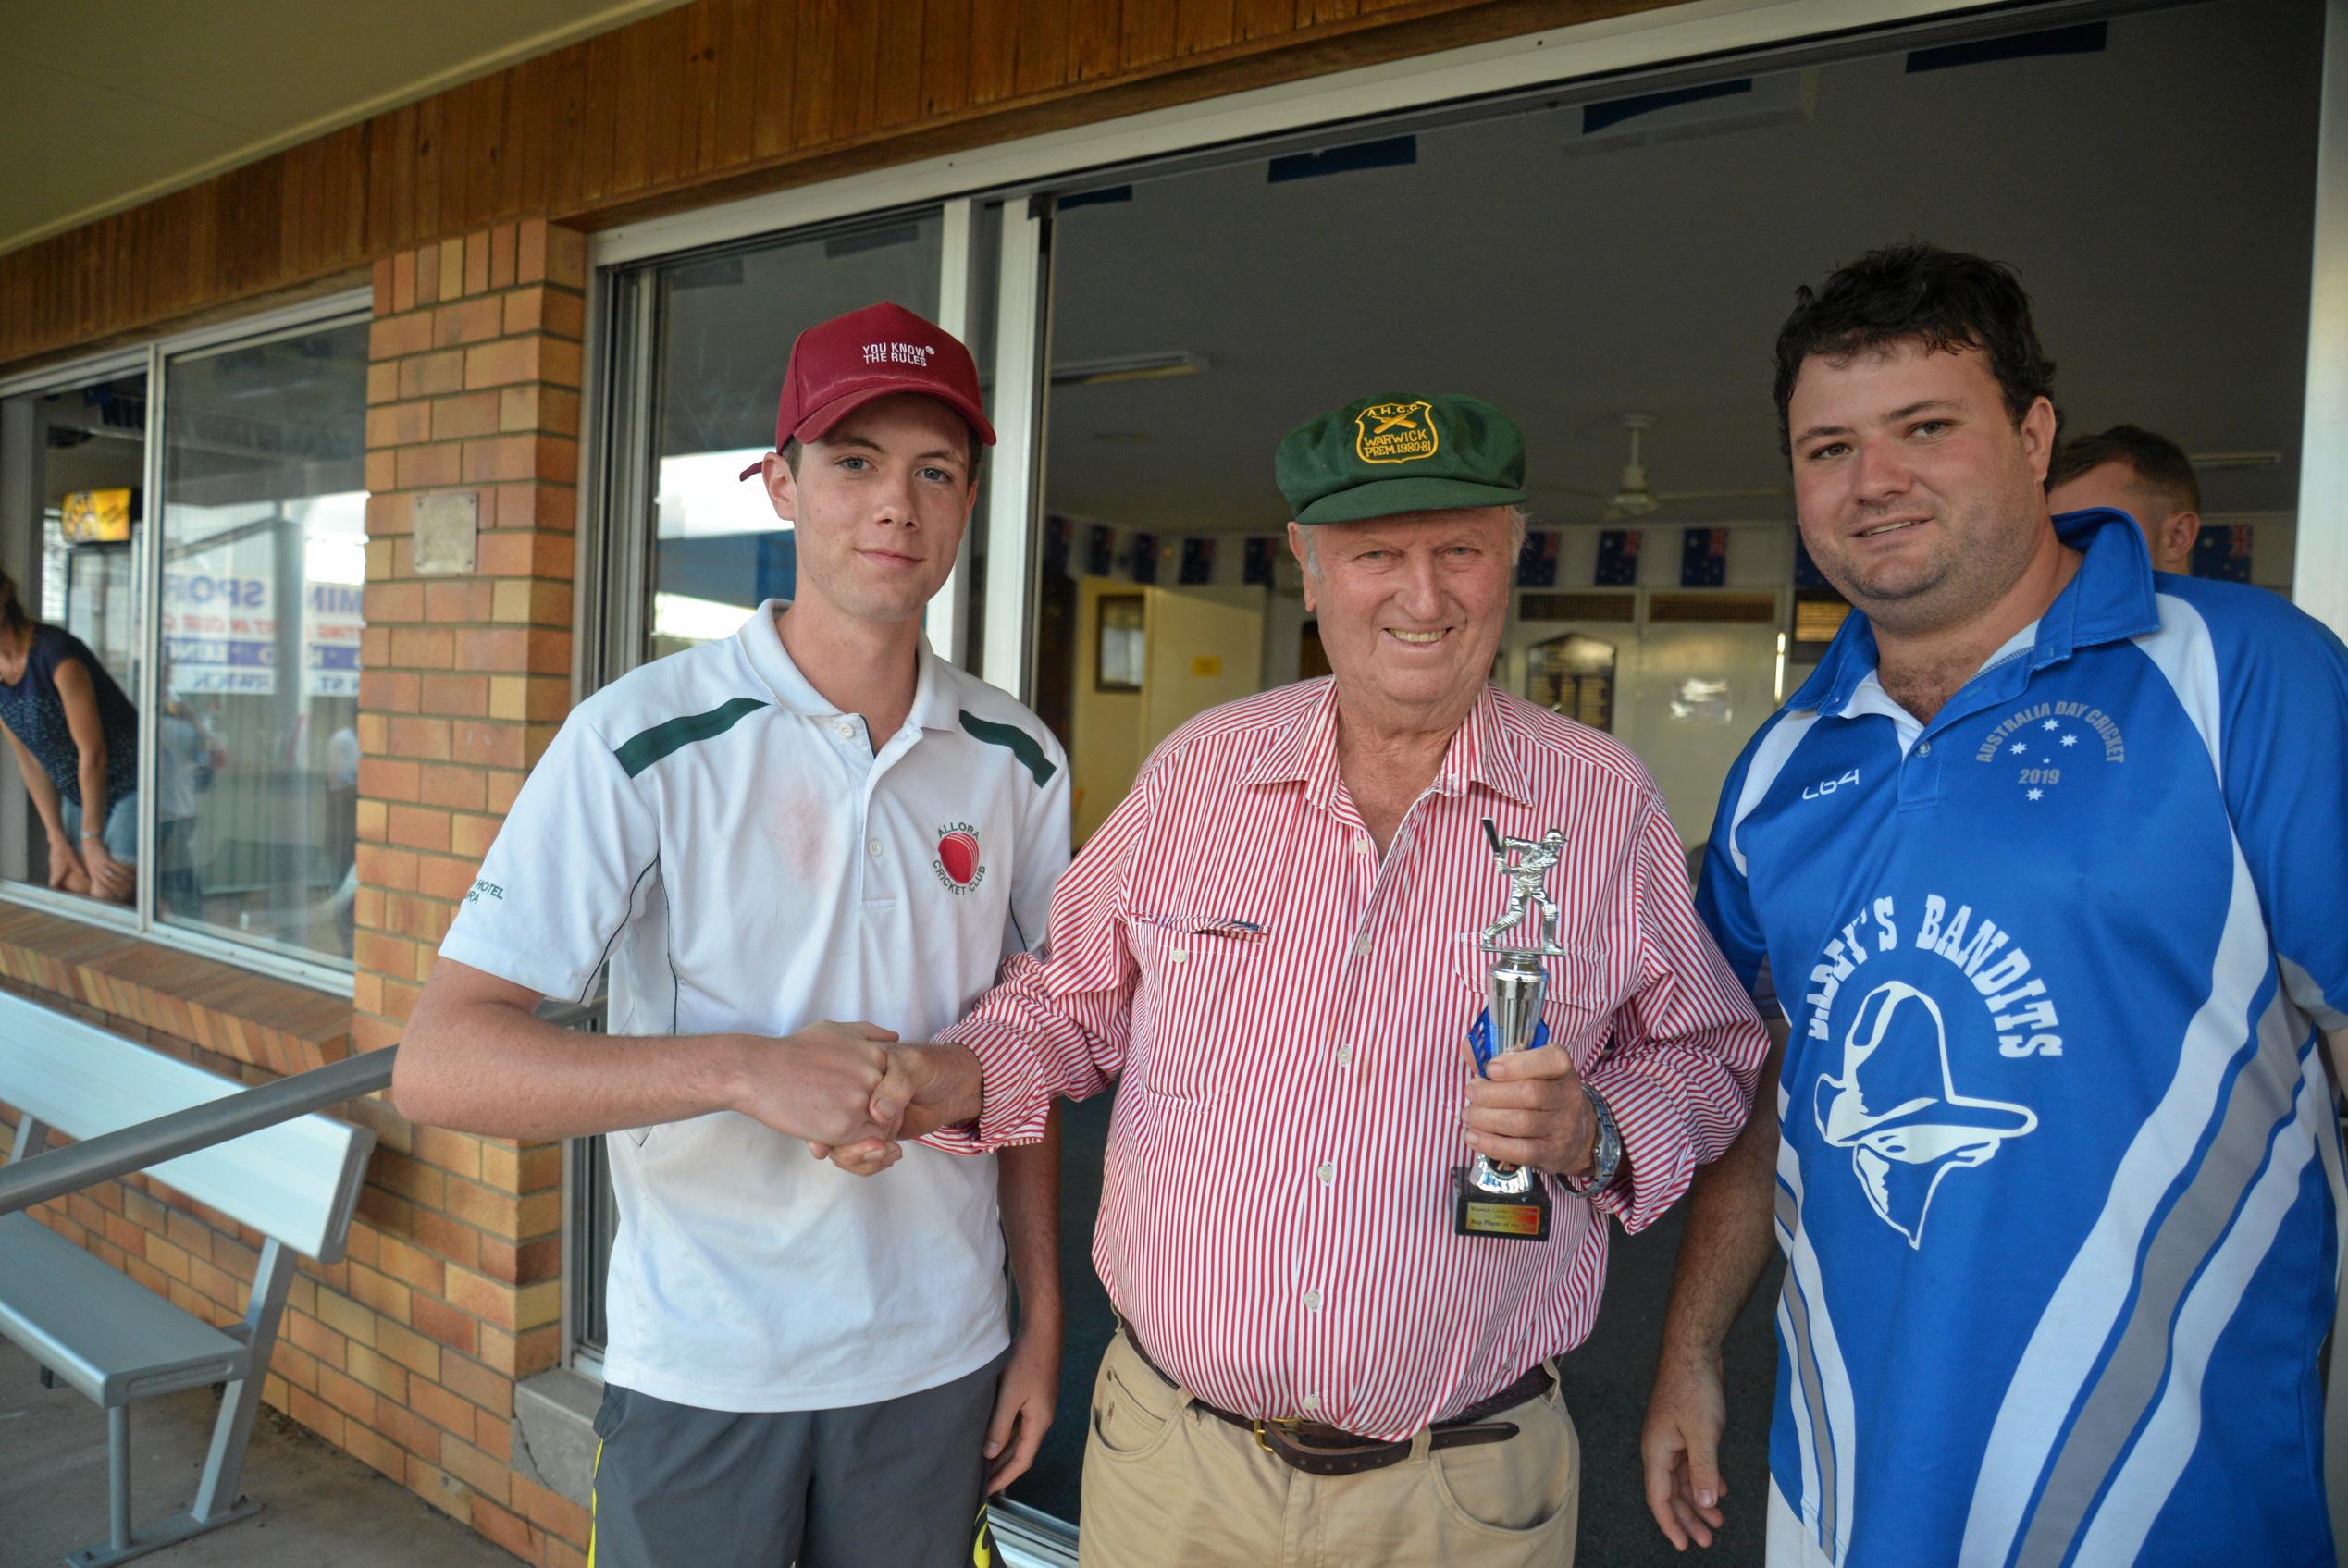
957,861
1396,432
1896,1108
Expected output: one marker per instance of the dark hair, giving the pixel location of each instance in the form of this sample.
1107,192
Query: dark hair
790,455
1916,293
2158,461
12,613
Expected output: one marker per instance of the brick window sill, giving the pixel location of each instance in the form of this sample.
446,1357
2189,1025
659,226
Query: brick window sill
165,994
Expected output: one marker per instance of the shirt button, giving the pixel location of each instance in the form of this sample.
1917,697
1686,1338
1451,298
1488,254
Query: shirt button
1328,1173
1923,749
1311,1303
1176,956
1312,1401
1362,948
873,846
1345,1056
846,729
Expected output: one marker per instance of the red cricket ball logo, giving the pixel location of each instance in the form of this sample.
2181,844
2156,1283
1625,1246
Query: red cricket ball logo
958,864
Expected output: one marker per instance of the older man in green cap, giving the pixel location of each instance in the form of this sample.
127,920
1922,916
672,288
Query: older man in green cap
1274,950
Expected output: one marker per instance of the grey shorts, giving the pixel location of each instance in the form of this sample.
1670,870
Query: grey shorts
901,1482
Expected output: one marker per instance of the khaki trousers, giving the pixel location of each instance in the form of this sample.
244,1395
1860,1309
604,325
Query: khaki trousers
1167,1484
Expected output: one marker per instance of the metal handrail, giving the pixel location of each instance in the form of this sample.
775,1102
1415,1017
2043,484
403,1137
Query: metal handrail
127,1149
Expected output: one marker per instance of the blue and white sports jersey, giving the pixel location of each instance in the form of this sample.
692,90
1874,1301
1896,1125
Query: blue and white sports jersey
2061,1185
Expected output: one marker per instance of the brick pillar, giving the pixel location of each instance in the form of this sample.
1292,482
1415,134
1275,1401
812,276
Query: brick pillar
472,395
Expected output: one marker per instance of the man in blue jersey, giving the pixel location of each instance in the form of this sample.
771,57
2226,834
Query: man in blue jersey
2043,867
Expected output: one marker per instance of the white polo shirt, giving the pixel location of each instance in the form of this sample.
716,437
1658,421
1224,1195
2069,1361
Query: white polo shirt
730,840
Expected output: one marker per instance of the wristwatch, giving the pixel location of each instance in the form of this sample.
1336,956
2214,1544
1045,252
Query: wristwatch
1606,1158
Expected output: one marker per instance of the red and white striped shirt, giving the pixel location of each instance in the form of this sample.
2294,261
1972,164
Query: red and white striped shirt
1287,1012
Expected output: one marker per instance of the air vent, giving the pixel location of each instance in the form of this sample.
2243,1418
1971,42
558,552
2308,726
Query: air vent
1576,607
1719,608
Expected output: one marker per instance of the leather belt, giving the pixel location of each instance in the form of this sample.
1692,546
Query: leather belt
1317,1449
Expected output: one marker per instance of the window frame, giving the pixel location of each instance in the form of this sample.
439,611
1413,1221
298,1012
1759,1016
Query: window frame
154,358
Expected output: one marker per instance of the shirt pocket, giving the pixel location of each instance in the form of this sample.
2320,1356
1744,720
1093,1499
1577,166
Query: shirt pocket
1192,981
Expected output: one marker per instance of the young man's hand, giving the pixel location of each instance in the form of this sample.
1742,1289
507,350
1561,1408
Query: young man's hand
816,1083
1023,1400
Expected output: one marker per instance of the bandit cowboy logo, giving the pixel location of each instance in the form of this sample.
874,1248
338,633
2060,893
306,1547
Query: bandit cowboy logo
1396,432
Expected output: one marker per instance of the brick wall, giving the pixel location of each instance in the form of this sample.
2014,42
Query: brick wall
472,392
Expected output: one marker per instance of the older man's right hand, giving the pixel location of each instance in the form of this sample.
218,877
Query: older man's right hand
816,1083
927,1087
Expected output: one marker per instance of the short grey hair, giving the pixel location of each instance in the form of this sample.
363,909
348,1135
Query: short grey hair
1519,520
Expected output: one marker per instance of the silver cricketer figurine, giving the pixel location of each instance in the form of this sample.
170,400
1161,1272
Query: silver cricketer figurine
1515,987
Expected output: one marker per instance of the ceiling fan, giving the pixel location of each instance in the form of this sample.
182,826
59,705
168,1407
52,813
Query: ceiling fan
2207,460
1632,496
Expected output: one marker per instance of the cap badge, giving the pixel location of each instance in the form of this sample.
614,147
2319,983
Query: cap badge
1395,432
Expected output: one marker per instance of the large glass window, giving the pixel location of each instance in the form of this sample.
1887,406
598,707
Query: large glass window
72,521
263,560
187,570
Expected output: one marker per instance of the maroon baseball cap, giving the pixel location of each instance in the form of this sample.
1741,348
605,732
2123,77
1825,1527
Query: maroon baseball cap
839,366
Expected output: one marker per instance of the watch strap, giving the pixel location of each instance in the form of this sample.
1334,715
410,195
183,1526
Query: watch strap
1606,1160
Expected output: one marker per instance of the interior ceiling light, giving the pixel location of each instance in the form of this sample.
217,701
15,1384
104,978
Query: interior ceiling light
1128,368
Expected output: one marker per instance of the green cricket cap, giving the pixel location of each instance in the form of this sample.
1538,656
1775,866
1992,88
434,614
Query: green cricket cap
1378,456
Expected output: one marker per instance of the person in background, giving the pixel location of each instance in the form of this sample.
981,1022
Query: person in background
2130,469
75,736
184,758
343,826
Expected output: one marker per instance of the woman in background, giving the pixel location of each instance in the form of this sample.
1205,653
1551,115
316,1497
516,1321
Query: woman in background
76,739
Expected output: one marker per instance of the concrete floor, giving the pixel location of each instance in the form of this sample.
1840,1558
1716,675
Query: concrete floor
322,1507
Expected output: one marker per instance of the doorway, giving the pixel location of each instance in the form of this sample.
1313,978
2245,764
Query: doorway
1612,272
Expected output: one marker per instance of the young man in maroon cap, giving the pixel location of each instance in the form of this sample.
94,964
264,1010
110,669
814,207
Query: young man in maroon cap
815,819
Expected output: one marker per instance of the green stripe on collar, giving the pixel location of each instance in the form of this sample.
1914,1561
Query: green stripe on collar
648,747
1021,743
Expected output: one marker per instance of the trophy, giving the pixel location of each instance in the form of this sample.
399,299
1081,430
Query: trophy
1488,1197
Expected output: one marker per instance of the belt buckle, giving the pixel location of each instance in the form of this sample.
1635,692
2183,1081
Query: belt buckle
1281,1423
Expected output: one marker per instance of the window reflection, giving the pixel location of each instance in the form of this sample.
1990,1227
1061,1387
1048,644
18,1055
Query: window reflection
264,561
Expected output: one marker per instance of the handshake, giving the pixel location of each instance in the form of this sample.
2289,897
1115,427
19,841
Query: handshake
852,1090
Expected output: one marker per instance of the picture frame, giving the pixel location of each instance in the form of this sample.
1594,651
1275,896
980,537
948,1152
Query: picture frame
1118,650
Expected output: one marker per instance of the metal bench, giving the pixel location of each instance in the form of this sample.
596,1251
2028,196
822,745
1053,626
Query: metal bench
257,1155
